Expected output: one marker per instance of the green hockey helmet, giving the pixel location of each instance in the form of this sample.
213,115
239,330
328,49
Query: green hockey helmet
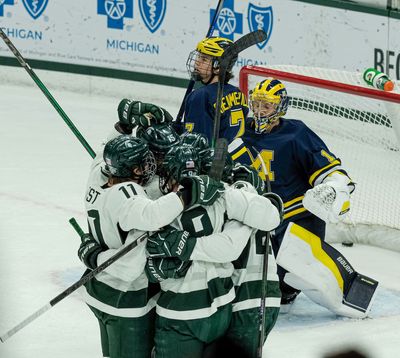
160,138
195,140
181,161
125,153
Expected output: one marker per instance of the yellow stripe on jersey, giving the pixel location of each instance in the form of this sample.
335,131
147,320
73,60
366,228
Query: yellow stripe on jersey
294,212
291,202
317,250
318,172
239,153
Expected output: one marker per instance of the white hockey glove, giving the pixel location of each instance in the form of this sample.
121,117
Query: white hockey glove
330,200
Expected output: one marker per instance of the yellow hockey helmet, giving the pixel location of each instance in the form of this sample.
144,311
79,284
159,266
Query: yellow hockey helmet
272,91
213,48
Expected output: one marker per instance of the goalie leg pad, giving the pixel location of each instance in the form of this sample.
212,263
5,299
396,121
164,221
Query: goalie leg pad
323,274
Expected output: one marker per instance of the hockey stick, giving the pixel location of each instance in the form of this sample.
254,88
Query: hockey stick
218,163
265,268
46,92
220,145
227,57
76,285
191,83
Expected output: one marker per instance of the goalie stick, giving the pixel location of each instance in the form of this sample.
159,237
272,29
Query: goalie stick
46,92
227,57
74,286
191,83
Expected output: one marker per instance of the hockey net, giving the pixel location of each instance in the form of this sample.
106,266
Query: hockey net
361,125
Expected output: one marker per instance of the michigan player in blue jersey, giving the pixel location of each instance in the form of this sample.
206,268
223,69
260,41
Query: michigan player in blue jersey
315,189
203,65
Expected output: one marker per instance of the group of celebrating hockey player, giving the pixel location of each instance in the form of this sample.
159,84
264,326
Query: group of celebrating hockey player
193,286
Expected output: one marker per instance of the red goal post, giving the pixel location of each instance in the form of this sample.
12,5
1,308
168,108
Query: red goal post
246,71
361,125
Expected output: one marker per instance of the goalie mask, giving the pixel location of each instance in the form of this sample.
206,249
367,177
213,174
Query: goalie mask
160,139
129,157
204,61
268,101
181,161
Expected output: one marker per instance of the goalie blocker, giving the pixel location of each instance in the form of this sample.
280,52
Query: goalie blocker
323,274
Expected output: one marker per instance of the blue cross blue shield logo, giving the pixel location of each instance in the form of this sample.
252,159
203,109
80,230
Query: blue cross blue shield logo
5,2
152,12
229,22
35,8
116,11
260,18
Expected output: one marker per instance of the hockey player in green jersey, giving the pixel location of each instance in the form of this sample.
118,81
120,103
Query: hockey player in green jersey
119,211
195,308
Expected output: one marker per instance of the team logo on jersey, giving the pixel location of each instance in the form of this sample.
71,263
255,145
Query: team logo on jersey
116,11
152,12
229,22
5,2
260,18
35,8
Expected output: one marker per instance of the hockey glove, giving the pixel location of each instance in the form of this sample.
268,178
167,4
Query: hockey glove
171,242
136,113
329,201
88,251
200,190
247,173
276,201
158,270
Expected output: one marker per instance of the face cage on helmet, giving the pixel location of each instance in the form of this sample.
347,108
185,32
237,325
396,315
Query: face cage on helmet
164,180
149,168
263,123
191,67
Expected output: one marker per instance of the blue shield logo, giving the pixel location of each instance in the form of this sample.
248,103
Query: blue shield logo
260,18
35,8
152,12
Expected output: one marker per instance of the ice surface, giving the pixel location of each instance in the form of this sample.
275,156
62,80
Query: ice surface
43,177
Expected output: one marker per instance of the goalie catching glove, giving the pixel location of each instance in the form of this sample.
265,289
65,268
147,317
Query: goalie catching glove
330,200
136,113
171,242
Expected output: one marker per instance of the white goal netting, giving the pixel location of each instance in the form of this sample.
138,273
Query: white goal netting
363,132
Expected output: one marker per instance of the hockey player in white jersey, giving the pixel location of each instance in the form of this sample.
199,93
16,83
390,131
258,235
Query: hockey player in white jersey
119,211
194,308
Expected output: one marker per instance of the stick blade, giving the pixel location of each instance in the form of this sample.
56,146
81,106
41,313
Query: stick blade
242,44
